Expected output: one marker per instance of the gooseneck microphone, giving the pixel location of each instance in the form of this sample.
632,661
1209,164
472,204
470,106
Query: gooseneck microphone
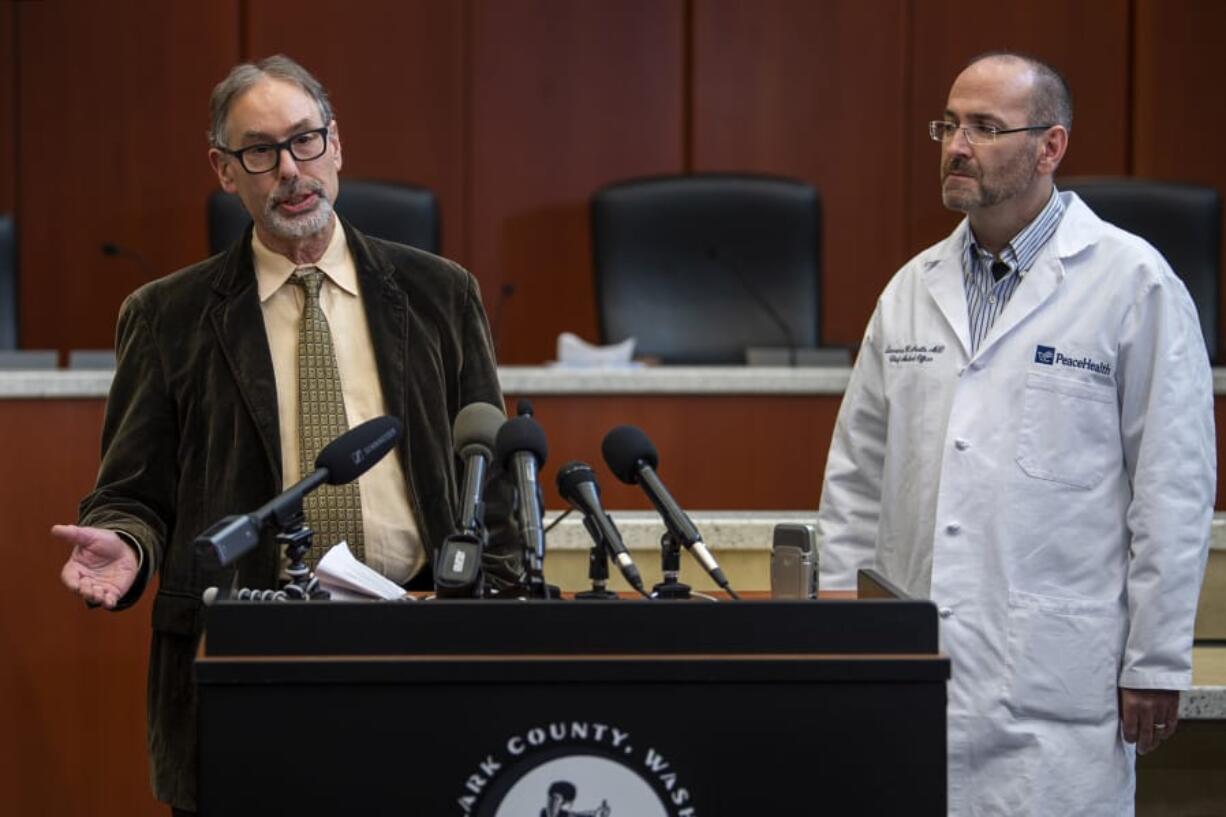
457,567
520,448
577,485
633,459
722,261
343,460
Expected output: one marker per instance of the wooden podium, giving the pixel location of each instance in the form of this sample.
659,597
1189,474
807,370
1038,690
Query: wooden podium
613,709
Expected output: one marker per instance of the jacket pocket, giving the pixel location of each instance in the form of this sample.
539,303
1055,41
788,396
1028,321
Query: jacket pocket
1069,431
177,613
1063,658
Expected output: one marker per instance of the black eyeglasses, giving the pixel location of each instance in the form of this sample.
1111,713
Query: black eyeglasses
304,147
940,131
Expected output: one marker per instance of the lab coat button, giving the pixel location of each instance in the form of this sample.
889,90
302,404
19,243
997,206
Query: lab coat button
953,527
945,612
961,444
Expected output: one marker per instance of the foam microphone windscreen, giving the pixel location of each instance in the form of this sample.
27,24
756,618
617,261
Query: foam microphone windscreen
520,434
476,429
571,476
623,448
358,449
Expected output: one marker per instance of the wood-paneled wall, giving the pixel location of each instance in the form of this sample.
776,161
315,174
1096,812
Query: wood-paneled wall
515,111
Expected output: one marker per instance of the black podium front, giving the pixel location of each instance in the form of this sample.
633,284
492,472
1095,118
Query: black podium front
614,709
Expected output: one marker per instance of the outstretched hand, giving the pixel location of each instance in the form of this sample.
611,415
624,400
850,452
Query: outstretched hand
101,568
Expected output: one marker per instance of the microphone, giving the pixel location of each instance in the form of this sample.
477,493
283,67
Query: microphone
523,407
577,485
113,250
632,458
457,567
767,309
474,433
520,448
343,460
504,294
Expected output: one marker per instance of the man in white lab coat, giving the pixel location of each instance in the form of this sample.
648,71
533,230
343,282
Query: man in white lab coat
1027,439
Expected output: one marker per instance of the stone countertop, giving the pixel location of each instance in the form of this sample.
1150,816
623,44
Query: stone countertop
725,531
542,380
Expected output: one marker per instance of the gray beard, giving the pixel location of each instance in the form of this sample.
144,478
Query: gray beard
303,226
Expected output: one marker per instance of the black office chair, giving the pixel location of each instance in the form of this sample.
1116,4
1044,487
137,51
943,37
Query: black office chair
1183,221
8,283
700,268
396,212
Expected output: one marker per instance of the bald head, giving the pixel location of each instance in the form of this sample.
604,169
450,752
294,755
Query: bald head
1049,100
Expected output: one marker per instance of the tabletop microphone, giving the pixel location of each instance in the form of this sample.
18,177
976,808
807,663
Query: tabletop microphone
521,450
457,567
722,261
577,485
633,459
343,460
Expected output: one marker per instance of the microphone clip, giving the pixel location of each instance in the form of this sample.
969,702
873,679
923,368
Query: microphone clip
670,567
597,566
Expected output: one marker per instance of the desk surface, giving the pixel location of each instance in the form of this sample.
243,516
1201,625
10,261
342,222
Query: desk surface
545,380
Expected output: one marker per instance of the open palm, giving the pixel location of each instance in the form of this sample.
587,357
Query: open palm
101,567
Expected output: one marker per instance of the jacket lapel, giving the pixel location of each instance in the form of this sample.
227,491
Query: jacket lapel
942,276
386,308
1038,285
238,323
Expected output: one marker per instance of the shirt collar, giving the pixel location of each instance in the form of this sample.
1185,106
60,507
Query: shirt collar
272,269
1021,252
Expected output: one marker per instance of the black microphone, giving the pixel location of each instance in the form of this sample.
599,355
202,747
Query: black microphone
577,485
723,263
520,448
113,250
457,567
343,460
633,459
523,407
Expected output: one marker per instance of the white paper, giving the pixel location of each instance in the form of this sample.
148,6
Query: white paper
575,351
339,570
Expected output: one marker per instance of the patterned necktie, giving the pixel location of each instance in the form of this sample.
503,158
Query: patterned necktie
334,512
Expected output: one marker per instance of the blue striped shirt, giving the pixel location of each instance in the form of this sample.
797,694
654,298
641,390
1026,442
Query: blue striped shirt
985,296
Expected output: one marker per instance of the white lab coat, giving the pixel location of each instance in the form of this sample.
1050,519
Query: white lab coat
1052,494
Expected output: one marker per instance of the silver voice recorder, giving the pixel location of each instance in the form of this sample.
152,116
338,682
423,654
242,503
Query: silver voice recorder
794,562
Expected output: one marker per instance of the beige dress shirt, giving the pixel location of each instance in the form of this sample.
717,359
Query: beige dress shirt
393,543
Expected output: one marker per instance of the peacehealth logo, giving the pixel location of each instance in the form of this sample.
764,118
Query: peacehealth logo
1048,356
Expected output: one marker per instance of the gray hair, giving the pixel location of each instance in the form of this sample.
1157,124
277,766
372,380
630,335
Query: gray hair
1052,101
242,77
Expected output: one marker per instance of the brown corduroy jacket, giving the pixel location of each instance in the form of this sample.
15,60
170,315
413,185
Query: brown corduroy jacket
191,435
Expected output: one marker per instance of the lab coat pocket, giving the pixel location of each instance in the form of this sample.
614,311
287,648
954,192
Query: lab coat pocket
1062,658
1069,431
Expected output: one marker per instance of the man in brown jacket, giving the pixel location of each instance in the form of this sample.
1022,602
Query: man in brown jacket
205,410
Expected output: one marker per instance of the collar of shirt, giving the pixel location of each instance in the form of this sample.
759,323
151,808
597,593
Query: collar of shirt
1021,252
272,269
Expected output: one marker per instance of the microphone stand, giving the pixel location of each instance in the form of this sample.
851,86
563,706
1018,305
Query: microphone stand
303,585
597,567
670,566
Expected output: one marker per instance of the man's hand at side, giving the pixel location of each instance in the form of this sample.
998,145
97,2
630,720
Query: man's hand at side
101,568
1149,716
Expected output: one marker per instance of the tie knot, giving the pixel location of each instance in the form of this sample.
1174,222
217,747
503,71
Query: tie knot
311,279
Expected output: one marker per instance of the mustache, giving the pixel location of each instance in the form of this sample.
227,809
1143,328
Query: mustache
960,165
292,188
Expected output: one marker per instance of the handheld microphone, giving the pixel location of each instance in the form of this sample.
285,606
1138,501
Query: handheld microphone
457,567
475,431
633,459
520,448
343,460
577,485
